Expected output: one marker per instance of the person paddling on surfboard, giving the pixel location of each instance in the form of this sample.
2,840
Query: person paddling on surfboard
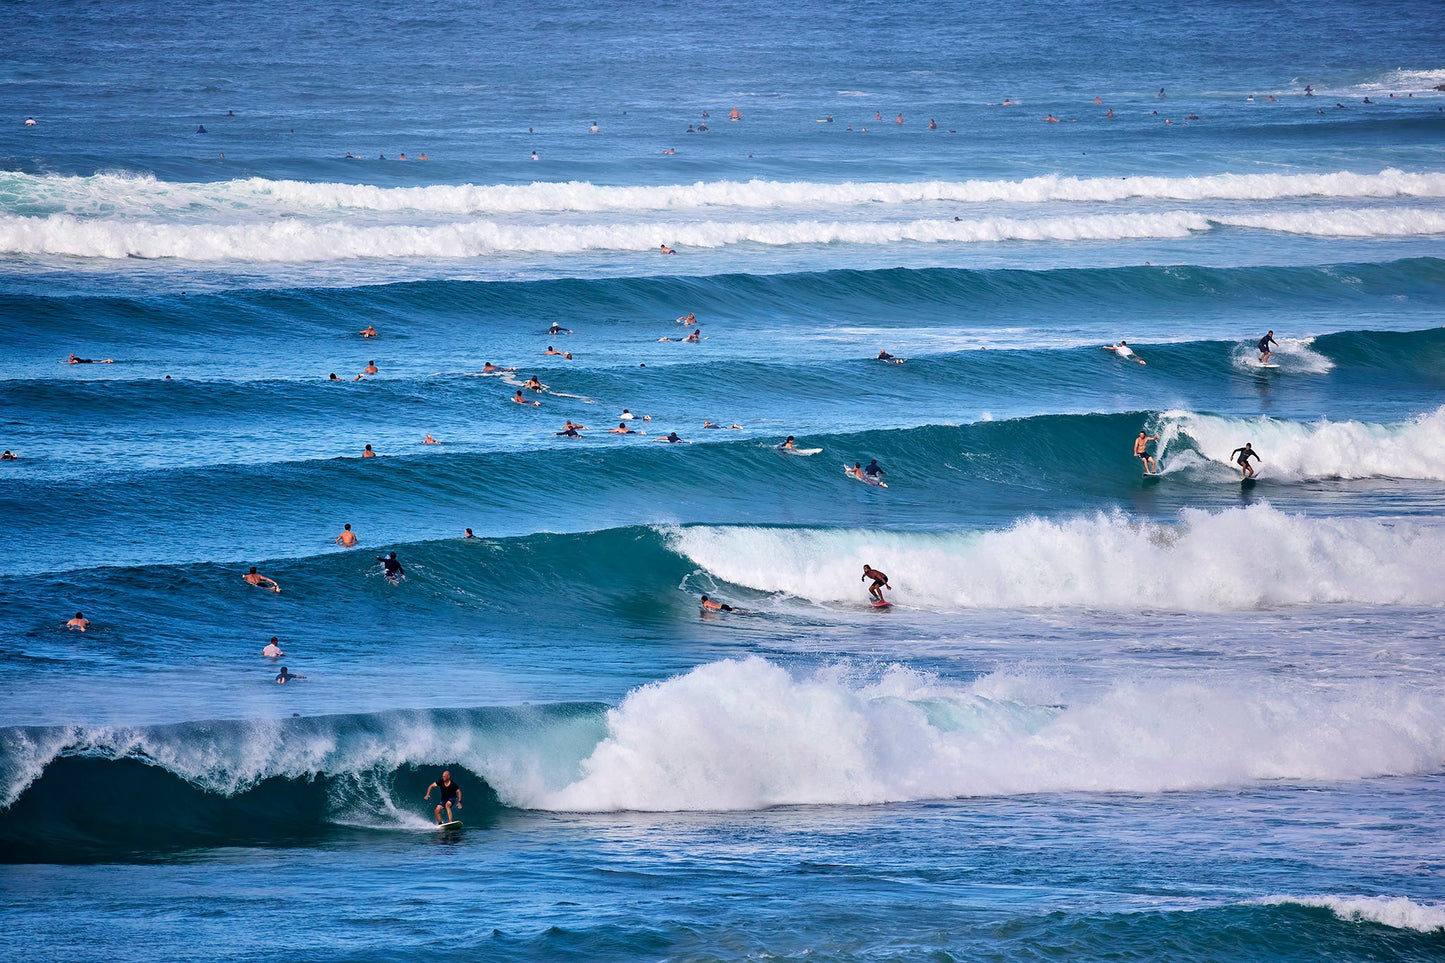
788,443
1245,454
873,470
1141,451
1264,343
710,605
880,582
450,792
1123,350
393,570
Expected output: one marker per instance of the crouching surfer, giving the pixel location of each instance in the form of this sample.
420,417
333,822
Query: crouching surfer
880,582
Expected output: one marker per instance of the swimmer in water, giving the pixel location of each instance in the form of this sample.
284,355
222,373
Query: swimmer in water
429,440
1123,350
80,622
552,350
687,319
370,368
255,578
273,649
347,538
523,401
367,452
9,455
369,331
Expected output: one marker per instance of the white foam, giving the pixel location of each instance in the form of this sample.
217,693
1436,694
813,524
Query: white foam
1295,451
1397,911
112,193
1100,561
1290,354
1344,222
748,734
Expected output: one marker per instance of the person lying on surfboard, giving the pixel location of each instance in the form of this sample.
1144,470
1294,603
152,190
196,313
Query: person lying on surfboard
873,470
788,443
710,605
449,791
880,582
1123,350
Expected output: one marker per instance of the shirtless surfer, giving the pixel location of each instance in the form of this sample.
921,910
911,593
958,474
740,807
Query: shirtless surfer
75,360
880,582
523,401
1141,452
1123,350
788,444
347,538
255,578
709,605
79,622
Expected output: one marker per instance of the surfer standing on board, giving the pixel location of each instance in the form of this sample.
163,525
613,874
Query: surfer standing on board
1264,343
1246,470
1141,451
880,582
449,792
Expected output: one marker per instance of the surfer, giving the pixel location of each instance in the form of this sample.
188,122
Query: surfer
429,440
552,350
1246,470
857,470
687,319
393,570
787,444
286,676
621,429
664,249
273,649
570,431
672,438
880,582
873,470
489,368
255,578
708,605
75,360
1264,343
448,791
347,538
9,455
885,356
523,401
627,415
558,329
367,452
1123,350
532,384
1141,451
370,368
369,331
469,534
79,622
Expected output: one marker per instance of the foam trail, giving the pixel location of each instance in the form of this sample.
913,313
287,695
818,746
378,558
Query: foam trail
1290,354
1100,561
747,734
132,194
1396,912
1296,451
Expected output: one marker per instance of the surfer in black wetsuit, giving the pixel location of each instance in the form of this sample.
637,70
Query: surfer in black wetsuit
450,792
1264,344
1244,455
880,582
394,572
873,471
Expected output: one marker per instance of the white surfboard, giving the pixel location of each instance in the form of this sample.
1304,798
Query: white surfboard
800,451
865,479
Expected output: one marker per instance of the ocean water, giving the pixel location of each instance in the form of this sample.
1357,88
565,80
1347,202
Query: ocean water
1107,717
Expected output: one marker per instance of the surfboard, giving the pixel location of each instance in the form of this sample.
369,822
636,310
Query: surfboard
454,824
866,479
393,578
800,451
1264,365
882,605
1151,478
1247,482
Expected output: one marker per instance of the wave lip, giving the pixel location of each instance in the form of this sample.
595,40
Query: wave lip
1106,561
1397,912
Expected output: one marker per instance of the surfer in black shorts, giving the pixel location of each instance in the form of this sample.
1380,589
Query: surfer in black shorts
394,572
450,792
880,582
709,605
1141,451
1264,344
1245,454
75,360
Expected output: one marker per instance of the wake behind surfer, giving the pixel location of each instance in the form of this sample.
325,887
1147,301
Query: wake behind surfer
1141,452
449,792
880,582
1241,458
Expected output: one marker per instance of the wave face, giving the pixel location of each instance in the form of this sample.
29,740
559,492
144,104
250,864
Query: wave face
739,734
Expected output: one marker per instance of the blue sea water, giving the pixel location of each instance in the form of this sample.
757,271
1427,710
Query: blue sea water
1107,717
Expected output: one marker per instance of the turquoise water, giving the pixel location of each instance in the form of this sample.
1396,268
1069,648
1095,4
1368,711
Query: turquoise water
1181,719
